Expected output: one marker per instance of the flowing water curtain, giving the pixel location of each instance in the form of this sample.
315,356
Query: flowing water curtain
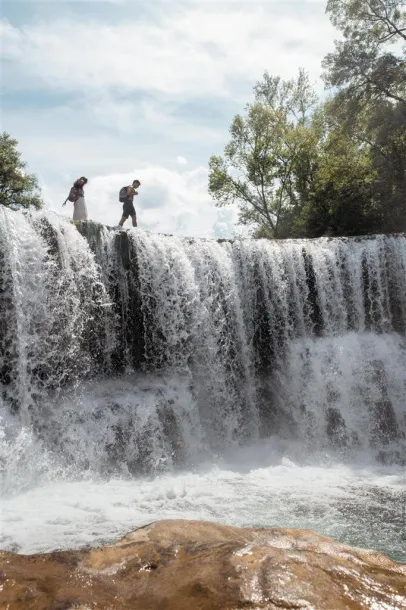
230,342
222,356
360,283
105,246
53,289
274,295
25,283
396,265
348,392
193,326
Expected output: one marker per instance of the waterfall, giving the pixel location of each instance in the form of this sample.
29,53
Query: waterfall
127,353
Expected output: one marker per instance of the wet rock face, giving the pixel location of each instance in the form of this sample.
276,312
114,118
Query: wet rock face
185,565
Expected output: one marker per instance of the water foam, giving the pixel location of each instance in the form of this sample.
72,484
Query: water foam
126,355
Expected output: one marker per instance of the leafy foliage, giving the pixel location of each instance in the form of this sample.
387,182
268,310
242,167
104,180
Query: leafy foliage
296,168
16,186
267,164
365,62
342,201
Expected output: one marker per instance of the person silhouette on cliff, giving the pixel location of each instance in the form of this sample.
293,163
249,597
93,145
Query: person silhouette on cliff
77,196
126,196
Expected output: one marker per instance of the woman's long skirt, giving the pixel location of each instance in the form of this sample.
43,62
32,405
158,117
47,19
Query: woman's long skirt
79,209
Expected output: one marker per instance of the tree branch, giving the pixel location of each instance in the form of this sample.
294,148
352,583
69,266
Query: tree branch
388,22
263,212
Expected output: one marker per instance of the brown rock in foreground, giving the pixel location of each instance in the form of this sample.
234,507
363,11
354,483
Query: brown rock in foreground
197,565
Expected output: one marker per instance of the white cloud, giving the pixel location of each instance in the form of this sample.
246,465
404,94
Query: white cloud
190,50
63,139
146,116
168,202
129,92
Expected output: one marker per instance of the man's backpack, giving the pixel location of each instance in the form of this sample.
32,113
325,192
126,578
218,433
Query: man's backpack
123,194
73,194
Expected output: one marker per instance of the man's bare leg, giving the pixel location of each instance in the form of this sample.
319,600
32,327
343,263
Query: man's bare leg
122,221
134,219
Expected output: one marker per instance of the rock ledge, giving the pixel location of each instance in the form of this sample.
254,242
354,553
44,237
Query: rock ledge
198,565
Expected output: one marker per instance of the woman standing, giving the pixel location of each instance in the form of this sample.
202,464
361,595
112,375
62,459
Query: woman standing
77,196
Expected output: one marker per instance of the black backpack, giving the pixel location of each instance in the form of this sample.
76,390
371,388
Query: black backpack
122,196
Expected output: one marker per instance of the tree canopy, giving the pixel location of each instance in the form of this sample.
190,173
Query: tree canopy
16,185
268,164
298,167
365,62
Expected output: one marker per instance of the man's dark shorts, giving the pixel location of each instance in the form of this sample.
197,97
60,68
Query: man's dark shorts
128,209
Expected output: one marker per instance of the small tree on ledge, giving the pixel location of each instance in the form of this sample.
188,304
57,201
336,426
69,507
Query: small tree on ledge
16,186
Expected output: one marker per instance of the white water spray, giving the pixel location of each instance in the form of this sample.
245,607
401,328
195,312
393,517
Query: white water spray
125,354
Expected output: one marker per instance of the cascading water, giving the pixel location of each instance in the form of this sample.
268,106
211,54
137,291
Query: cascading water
146,376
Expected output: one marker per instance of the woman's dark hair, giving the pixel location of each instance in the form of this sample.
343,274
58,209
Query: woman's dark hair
81,178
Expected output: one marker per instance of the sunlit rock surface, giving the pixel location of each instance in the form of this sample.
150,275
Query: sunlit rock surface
197,565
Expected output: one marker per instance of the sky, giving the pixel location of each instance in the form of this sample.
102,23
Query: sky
122,89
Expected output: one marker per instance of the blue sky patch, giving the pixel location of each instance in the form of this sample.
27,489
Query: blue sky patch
116,89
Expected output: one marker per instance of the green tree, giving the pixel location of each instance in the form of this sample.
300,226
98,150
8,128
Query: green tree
387,127
296,98
369,67
342,201
296,169
16,186
365,62
269,163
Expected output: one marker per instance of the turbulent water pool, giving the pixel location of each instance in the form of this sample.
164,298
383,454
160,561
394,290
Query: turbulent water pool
363,506
145,377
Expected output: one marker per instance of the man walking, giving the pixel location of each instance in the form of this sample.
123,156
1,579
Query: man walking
126,196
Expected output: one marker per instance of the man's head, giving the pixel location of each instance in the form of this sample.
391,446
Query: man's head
136,184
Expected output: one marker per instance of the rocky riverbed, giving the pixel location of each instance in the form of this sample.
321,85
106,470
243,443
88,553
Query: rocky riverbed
198,565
